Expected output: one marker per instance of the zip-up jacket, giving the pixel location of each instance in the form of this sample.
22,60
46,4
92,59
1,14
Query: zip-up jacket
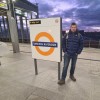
72,43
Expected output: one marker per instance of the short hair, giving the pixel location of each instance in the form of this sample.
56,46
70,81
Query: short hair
73,24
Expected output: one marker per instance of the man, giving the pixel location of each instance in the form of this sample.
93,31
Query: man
72,46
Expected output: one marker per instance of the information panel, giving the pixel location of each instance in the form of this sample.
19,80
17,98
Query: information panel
45,37
3,5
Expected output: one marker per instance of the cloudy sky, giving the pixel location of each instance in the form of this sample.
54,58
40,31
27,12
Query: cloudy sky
86,13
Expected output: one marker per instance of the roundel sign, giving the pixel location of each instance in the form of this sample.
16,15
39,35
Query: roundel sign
51,45
45,37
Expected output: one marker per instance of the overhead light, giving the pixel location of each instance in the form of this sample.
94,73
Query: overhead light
13,0
35,13
4,1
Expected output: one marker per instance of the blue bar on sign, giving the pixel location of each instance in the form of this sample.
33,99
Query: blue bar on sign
45,44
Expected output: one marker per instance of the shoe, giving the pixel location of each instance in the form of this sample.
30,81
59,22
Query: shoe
72,78
61,82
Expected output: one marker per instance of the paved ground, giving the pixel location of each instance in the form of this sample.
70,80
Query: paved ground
18,80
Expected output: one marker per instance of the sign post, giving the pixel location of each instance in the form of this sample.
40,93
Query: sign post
59,70
45,37
35,63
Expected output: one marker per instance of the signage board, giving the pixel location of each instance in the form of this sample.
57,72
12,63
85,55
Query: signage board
45,37
3,5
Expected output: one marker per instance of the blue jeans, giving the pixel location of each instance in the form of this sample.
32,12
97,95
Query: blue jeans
67,59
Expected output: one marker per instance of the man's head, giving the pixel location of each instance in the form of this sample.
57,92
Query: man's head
73,27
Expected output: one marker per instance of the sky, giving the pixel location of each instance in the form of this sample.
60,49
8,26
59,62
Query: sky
86,13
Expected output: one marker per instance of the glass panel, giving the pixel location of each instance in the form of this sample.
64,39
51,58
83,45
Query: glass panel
29,16
18,22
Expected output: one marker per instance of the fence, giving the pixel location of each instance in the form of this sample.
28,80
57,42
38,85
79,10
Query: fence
92,43
25,38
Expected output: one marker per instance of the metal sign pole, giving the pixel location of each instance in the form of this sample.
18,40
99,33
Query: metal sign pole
36,69
59,70
54,41
35,64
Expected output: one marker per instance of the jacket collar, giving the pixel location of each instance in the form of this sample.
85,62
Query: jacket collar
70,32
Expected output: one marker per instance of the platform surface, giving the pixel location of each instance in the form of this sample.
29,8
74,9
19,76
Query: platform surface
19,82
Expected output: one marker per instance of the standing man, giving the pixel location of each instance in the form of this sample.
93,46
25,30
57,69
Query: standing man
72,46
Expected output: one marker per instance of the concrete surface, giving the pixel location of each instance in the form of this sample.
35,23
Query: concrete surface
18,80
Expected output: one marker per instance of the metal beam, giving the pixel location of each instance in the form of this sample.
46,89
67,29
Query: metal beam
26,5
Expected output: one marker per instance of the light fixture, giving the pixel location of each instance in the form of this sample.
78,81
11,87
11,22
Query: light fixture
13,0
35,13
4,1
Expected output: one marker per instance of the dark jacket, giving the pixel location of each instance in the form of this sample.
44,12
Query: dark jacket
72,43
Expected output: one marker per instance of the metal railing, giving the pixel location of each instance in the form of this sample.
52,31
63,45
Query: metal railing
92,43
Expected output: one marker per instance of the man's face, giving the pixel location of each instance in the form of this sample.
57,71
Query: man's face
73,28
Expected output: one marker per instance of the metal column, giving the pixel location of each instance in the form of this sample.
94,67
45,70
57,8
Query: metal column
13,27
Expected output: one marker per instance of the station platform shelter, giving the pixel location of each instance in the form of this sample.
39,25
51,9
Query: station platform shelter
23,10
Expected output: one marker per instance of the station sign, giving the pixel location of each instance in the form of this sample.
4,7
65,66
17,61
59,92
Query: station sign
45,37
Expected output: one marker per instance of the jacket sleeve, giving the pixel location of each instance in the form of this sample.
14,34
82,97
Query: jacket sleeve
64,44
80,44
